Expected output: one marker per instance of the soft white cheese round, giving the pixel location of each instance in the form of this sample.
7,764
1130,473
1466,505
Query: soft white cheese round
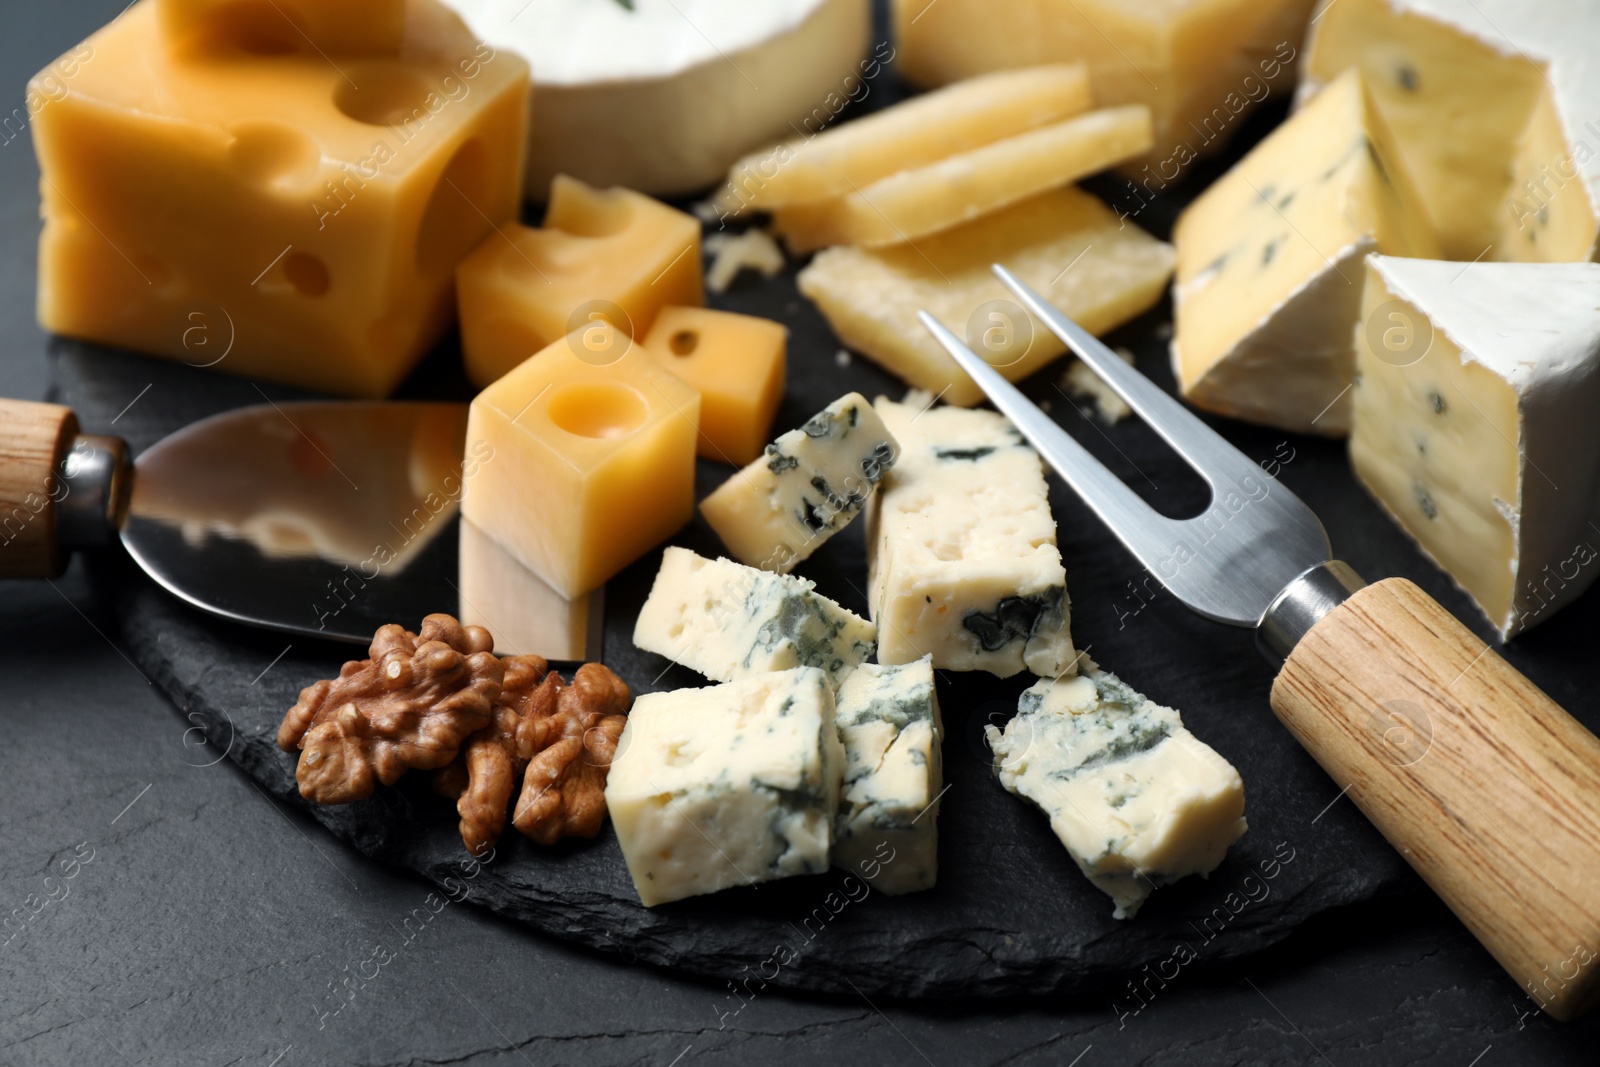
664,97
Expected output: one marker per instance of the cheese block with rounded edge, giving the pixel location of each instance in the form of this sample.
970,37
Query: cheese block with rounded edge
731,785
962,562
1138,801
1200,65
1474,424
811,483
663,96
1269,265
817,165
1495,105
960,188
1067,245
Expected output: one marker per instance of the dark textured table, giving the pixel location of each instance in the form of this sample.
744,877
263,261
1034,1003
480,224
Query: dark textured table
159,908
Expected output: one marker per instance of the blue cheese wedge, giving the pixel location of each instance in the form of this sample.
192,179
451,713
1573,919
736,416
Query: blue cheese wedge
810,484
731,785
729,621
893,776
1137,799
961,548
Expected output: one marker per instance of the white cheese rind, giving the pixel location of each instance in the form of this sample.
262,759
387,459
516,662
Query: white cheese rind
1138,801
962,562
809,484
1535,327
731,785
729,621
889,723
663,98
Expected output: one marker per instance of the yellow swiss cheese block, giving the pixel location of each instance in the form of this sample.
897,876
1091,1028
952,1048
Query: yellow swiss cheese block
736,364
1067,245
1199,65
586,458
1270,265
336,27
262,215
924,200
602,254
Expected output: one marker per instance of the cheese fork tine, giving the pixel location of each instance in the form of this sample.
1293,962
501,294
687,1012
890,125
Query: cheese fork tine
1406,709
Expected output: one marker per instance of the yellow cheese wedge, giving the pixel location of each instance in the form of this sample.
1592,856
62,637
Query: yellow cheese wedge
1270,265
261,215
344,27
586,458
1074,250
920,131
913,203
1493,104
602,254
1200,65
736,363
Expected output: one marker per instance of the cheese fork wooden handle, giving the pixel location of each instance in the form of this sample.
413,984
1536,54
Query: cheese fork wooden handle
34,439
1486,786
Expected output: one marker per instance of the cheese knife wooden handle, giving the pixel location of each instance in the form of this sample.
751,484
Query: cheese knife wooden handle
1483,783
59,489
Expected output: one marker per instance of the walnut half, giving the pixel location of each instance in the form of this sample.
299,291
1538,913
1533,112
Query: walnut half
409,706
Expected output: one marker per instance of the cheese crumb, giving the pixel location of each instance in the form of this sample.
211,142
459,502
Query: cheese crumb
1080,380
735,252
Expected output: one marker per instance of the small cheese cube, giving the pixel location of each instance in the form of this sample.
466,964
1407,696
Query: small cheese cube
1474,424
1270,263
1200,65
737,364
526,616
602,254
893,776
590,464
810,484
331,27
1065,244
1138,800
912,203
962,561
264,215
731,785
728,621
915,133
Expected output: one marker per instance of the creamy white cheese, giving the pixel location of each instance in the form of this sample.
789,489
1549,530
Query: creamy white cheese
1138,801
810,484
889,723
727,621
731,785
961,548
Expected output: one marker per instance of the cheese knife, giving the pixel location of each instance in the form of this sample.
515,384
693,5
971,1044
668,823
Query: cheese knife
1486,786
324,519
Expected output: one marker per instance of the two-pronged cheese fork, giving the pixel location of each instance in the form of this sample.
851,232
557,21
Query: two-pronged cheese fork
1485,785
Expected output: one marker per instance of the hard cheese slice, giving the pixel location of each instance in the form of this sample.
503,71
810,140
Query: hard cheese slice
1137,799
1065,244
893,776
729,621
924,200
1199,65
810,484
1269,265
922,130
731,785
962,561
1493,104
1474,414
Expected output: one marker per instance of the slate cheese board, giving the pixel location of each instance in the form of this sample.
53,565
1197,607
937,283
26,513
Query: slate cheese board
1011,915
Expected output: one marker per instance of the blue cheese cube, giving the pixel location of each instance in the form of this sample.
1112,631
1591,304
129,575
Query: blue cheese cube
961,548
808,486
731,785
728,621
893,776
1137,799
